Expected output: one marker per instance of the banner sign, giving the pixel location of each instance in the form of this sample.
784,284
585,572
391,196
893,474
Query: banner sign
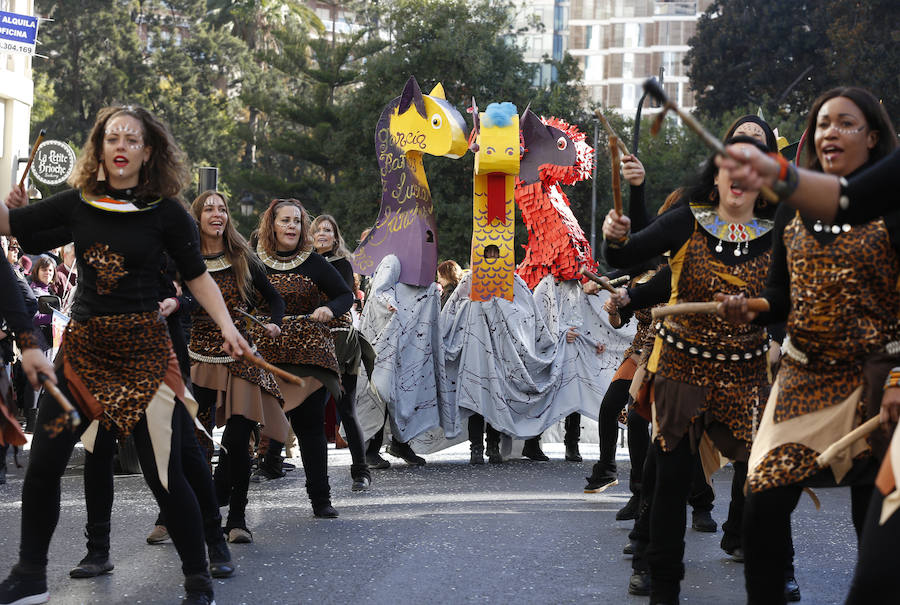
17,33
53,162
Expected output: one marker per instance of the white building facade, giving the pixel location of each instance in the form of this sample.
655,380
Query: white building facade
16,99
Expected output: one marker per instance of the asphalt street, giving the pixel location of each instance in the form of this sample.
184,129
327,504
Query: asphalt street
518,532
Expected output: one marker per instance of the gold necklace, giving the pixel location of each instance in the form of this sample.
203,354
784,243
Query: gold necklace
278,264
217,263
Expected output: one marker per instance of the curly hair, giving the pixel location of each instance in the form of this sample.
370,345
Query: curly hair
164,174
340,246
266,231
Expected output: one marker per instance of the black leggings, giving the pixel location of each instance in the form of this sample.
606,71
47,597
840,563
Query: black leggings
614,400
346,408
47,463
477,427
875,579
767,537
232,477
308,422
638,444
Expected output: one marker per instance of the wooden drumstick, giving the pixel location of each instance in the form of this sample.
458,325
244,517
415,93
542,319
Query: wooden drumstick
759,305
612,133
835,449
602,281
283,374
616,184
31,157
65,404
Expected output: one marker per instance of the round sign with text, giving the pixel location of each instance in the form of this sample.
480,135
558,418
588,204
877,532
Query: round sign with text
53,162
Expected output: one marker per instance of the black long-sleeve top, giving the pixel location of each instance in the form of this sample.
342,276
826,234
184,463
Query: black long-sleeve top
118,252
343,267
13,306
326,278
872,191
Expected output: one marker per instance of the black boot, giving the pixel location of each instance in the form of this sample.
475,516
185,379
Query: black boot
572,453
791,590
493,453
270,467
630,510
362,477
476,456
3,469
532,450
96,562
198,590
701,520
320,496
220,565
405,452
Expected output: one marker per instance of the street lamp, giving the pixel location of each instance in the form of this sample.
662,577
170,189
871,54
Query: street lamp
247,203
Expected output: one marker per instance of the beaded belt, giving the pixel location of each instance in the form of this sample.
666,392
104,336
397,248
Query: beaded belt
705,353
891,348
215,358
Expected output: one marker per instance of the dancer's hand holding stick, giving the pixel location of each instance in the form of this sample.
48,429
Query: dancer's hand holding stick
72,414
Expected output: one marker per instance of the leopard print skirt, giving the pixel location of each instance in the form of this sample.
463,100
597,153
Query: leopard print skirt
115,364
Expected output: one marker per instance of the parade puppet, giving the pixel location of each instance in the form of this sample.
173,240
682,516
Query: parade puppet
501,359
407,386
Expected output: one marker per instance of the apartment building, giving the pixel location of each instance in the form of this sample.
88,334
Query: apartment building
16,99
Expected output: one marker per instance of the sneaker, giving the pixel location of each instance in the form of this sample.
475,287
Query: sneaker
601,478
360,484
198,598
158,535
630,510
19,590
287,467
732,547
375,461
220,565
405,452
264,473
240,535
629,548
198,590
702,521
639,584
791,590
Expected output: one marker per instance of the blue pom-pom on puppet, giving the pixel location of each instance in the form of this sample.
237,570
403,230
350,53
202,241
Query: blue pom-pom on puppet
499,114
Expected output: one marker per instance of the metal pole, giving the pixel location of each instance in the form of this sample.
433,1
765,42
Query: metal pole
594,193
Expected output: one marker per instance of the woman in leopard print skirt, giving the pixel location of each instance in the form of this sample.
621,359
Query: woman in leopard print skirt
837,287
242,394
314,293
118,363
708,375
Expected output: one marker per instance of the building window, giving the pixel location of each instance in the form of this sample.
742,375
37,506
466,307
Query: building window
634,35
628,65
560,18
593,68
628,94
557,47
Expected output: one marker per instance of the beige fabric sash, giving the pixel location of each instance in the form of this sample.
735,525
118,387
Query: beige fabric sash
815,430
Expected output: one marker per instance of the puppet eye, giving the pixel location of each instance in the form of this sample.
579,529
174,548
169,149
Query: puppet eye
509,151
436,121
562,143
489,151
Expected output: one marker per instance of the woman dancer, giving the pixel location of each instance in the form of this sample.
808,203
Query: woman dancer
314,294
330,245
118,363
241,393
837,287
708,375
